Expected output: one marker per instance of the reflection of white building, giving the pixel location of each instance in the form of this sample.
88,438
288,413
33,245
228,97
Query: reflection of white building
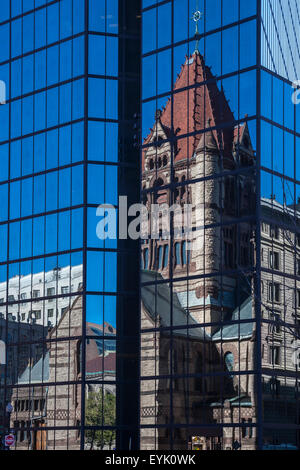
40,298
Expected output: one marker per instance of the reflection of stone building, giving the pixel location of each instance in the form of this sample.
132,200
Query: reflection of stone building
18,353
219,164
212,396
280,291
45,399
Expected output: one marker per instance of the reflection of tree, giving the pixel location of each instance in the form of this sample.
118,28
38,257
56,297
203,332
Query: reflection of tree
100,410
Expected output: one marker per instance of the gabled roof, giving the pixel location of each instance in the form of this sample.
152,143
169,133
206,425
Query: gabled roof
193,105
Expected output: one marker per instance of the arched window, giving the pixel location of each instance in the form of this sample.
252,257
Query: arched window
160,257
177,254
151,164
173,368
184,257
229,361
146,258
166,256
165,160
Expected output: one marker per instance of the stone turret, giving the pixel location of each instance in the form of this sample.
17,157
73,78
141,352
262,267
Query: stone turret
206,199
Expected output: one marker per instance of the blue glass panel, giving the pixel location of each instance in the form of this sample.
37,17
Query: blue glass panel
64,231
4,122
15,159
4,41
39,194
64,145
40,28
26,238
96,184
53,23
230,43
16,78
27,115
40,111
78,16
51,191
4,202
16,37
51,233
26,197
64,189
39,152
230,11
52,65
27,156
76,229
38,236
164,17
27,80
14,240
4,11
15,195
78,56
77,185
4,149
66,25
40,70
247,30
16,7
28,28
213,15
77,142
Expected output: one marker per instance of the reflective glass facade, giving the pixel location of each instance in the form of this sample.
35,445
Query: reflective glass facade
172,324
280,43
219,311
66,124
279,217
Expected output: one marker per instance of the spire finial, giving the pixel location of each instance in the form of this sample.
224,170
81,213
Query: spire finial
197,16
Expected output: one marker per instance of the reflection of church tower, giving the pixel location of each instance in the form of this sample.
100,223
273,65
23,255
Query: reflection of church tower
195,131
206,197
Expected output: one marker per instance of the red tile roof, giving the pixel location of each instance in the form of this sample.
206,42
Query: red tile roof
193,106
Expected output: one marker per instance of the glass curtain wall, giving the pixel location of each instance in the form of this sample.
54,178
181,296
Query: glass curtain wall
280,216
199,126
61,293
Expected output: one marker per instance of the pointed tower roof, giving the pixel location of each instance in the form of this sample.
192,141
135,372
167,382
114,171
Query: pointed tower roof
196,99
207,142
